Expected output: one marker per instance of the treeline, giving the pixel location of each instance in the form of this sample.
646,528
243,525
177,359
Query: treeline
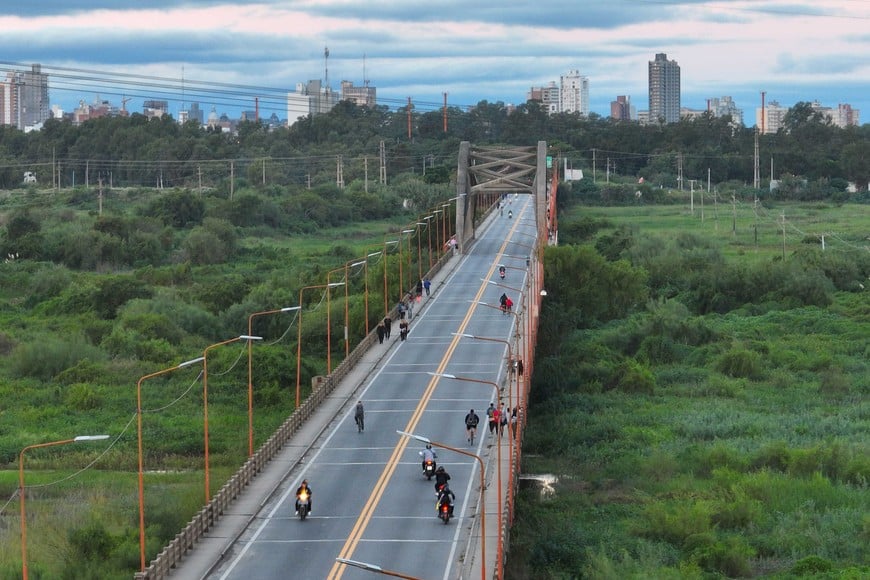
160,152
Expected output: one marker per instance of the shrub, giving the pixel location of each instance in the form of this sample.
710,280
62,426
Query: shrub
810,566
92,541
739,363
632,377
729,557
45,357
674,523
82,397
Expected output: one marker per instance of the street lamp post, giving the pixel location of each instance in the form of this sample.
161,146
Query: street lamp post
439,215
205,400
139,447
401,281
21,488
366,291
499,503
482,491
299,338
329,313
420,244
251,374
428,224
374,568
386,285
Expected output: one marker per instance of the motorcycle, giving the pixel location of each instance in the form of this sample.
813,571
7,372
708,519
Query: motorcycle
510,214
445,511
429,469
304,505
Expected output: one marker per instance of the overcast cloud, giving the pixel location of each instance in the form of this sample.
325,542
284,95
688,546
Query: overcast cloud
496,51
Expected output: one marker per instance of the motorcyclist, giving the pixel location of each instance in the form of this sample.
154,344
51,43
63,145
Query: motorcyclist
441,479
510,214
501,271
446,496
428,454
304,487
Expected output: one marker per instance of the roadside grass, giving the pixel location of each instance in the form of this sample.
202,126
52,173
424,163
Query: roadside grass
749,458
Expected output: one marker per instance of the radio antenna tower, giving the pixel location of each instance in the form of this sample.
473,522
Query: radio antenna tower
326,67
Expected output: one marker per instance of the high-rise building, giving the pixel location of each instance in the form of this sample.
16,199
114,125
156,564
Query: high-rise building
722,106
574,93
24,98
364,96
621,108
773,116
664,89
547,96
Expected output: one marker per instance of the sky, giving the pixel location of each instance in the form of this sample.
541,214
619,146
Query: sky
224,54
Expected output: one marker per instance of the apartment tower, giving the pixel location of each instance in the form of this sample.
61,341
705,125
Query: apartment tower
664,90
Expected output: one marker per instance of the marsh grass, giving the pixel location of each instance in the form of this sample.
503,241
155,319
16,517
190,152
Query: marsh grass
748,459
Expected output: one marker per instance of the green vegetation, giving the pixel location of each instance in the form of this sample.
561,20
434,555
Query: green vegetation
146,241
711,420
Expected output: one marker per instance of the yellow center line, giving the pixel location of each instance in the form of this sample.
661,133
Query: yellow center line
374,499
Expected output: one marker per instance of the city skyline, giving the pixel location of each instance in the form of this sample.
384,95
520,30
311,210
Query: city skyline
793,51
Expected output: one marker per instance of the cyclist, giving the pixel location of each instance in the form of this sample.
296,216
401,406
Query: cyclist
471,421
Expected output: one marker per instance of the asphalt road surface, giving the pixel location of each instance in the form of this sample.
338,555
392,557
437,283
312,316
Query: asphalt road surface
371,502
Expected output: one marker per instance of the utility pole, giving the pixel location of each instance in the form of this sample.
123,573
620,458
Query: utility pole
409,118
232,178
101,196
383,162
756,178
594,180
445,112
366,171
680,170
692,196
783,234
339,173
733,215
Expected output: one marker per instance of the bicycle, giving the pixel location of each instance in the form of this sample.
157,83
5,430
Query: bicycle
471,431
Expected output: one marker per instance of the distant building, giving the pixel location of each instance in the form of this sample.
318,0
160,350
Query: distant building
24,98
722,106
155,108
846,116
770,119
193,113
364,96
574,93
622,109
664,89
547,96
310,98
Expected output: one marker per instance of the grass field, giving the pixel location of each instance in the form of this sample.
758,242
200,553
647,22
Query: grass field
748,453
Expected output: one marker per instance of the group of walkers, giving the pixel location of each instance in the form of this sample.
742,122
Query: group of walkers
500,417
405,311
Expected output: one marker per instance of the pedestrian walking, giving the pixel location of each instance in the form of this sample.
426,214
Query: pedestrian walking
419,290
359,416
426,284
492,420
388,325
400,308
502,420
403,330
410,309
382,332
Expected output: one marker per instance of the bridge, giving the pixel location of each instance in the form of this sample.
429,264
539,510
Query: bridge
372,509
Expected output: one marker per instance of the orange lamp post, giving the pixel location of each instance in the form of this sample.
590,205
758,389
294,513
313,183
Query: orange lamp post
139,448
329,286
374,568
499,500
299,340
386,267
482,491
22,493
205,401
251,373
